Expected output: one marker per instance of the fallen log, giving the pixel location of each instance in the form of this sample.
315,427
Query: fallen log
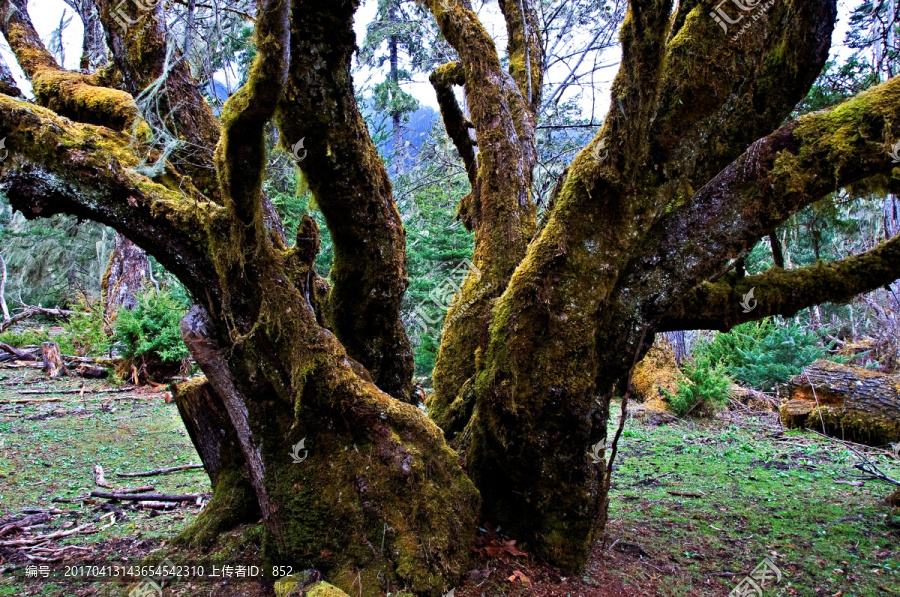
162,471
146,497
90,371
850,403
29,311
27,521
19,354
53,361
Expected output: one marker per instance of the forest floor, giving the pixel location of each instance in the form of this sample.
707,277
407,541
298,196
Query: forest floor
695,507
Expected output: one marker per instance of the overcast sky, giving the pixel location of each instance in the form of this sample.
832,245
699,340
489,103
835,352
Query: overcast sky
46,15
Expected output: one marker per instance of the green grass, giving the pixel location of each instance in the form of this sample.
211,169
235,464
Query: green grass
764,493
49,449
762,496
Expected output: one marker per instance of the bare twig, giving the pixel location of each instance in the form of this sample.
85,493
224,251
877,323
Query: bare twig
142,497
76,391
162,471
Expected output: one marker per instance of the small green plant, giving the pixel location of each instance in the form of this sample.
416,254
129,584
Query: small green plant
85,331
24,338
152,330
703,392
762,354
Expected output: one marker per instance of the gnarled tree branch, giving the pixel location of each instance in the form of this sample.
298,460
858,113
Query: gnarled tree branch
352,188
457,125
56,166
241,154
717,306
796,165
74,95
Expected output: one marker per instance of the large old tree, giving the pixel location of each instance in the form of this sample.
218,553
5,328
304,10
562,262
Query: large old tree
696,161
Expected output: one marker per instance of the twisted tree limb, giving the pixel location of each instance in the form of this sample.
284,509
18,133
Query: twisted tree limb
351,186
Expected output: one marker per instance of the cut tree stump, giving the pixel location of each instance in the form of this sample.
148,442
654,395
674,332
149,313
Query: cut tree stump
855,404
53,360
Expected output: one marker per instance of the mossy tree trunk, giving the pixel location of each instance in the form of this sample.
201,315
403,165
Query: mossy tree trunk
378,496
693,165
680,180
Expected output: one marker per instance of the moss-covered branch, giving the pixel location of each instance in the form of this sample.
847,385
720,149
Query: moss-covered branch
241,154
501,211
525,49
719,94
318,115
796,165
57,166
636,86
160,78
717,306
74,95
457,125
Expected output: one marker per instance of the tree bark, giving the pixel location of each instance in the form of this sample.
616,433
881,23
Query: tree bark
853,404
125,278
234,500
54,366
538,342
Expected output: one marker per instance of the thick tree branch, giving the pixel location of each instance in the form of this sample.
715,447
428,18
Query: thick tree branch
501,211
717,306
241,154
57,166
74,95
796,165
320,123
160,79
636,86
525,49
731,90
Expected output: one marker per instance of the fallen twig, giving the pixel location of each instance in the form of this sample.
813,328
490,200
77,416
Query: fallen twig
686,493
85,529
162,471
76,391
141,497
